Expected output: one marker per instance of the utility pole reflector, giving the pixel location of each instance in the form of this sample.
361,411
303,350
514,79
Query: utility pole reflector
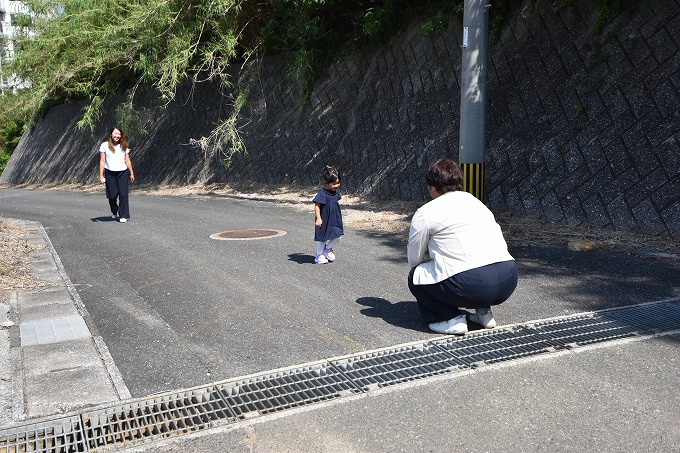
473,181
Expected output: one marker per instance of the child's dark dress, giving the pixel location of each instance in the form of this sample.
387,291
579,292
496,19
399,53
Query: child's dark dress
331,216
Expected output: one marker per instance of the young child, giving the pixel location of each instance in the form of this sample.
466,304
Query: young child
328,222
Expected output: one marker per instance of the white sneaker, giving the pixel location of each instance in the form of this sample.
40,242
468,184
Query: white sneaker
123,220
484,318
114,216
455,326
328,253
321,259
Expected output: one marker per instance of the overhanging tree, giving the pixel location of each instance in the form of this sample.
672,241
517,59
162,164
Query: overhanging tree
87,49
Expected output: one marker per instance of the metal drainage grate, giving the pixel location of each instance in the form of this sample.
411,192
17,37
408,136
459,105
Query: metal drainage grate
648,318
230,401
495,346
62,435
286,389
397,365
244,235
584,329
158,417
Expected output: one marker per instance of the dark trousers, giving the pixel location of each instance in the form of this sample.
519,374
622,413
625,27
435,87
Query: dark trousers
476,288
117,192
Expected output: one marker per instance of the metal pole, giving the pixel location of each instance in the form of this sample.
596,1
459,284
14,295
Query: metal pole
473,94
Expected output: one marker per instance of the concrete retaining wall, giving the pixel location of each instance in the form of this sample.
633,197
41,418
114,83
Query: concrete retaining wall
582,127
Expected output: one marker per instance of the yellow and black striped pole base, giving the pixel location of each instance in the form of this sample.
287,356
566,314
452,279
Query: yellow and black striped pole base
473,179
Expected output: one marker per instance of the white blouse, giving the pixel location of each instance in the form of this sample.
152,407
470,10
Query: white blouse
114,161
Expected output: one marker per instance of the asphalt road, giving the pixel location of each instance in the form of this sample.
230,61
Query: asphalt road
179,309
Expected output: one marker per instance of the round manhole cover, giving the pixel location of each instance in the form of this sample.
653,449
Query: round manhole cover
244,235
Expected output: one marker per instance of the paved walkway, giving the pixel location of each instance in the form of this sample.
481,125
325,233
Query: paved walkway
59,364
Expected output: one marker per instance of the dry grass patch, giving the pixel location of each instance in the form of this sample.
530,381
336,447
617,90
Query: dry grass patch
15,264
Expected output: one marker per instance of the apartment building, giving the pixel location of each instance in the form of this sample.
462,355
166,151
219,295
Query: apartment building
9,11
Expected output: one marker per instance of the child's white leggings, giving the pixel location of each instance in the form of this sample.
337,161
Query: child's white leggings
329,245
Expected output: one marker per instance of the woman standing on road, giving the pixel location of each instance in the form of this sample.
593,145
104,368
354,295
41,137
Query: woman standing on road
458,255
115,170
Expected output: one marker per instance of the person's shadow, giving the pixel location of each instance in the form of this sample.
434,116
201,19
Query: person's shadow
402,314
102,219
301,258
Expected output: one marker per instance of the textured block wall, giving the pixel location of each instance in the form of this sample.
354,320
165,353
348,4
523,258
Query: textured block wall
583,127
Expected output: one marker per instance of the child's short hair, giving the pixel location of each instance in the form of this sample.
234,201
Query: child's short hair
330,175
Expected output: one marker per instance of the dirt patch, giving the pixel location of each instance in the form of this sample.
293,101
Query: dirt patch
15,264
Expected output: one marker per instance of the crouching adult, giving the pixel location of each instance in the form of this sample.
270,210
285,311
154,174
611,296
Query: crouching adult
458,255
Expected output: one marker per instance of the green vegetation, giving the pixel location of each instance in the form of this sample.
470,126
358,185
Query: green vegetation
580,107
606,8
21,20
12,121
79,51
562,4
500,13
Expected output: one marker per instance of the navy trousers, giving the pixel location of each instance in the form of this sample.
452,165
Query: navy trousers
477,288
117,192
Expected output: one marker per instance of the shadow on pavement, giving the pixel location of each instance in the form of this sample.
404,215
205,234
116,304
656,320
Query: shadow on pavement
592,281
401,314
301,258
102,219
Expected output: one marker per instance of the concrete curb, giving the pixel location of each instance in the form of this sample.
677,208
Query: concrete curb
60,362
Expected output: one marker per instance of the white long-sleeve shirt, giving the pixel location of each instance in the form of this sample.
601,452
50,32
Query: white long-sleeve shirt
453,233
